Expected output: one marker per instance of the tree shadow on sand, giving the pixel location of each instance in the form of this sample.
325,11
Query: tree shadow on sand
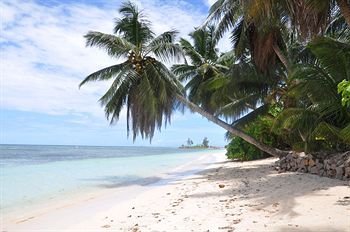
260,182
134,180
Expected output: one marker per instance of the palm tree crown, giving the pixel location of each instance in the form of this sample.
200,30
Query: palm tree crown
142,83
204,66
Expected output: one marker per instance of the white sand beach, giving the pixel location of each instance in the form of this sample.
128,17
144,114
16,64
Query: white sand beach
225,196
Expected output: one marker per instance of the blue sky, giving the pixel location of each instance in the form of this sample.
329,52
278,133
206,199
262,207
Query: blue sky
43,59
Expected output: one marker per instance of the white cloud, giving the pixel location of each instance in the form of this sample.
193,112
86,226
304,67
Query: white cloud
44,56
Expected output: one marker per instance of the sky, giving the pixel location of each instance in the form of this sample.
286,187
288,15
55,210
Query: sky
44,58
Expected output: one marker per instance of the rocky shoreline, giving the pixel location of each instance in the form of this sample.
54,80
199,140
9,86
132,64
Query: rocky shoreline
328,165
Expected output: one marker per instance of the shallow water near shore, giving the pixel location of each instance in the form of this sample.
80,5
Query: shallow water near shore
34,174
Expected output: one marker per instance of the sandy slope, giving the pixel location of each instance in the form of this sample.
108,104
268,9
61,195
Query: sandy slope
253,197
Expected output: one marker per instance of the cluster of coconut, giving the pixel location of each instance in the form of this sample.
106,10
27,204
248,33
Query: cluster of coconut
139,62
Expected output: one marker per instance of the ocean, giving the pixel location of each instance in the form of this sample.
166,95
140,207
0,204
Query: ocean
32,174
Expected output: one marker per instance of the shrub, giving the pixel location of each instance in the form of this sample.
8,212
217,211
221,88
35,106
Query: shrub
260,129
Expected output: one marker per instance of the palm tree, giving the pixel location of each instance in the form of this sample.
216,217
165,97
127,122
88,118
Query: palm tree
202,67
319,115
215,82
142,83
255,33
261,25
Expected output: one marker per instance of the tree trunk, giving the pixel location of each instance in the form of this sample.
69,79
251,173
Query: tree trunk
281,56
344,7
270,150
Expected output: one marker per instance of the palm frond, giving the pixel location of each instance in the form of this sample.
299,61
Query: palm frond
325,131
114,45
116,96
184,71
134,27
345,134
334,57
338,28
250,117
164,47
226,22
296,120
195,56
240,106
239,38
105,73
313,80
223,13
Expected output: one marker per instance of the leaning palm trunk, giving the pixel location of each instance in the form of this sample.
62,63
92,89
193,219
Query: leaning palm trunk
345,10
270,150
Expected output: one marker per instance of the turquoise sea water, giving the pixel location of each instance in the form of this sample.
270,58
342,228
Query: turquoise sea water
32,173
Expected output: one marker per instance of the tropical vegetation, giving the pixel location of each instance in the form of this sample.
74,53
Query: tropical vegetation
284,85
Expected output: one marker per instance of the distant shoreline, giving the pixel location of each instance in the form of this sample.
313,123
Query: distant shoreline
201,147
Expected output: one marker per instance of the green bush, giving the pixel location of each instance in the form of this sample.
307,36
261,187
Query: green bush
260,129
344,90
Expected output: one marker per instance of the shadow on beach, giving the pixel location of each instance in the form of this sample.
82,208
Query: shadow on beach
247,180
134,180
262,183
253,186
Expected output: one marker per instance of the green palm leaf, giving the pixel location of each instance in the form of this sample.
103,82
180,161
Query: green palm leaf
334,57
133,26
345,134
195,57
164,48
115,46
106,73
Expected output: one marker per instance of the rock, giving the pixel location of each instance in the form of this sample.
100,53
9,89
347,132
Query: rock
298,161
347,162
347,172
326,164
313,170
320,172
319,166
323,164
309,156
284,166
221,186
339,172
331,173
332,164
340,162
312,162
